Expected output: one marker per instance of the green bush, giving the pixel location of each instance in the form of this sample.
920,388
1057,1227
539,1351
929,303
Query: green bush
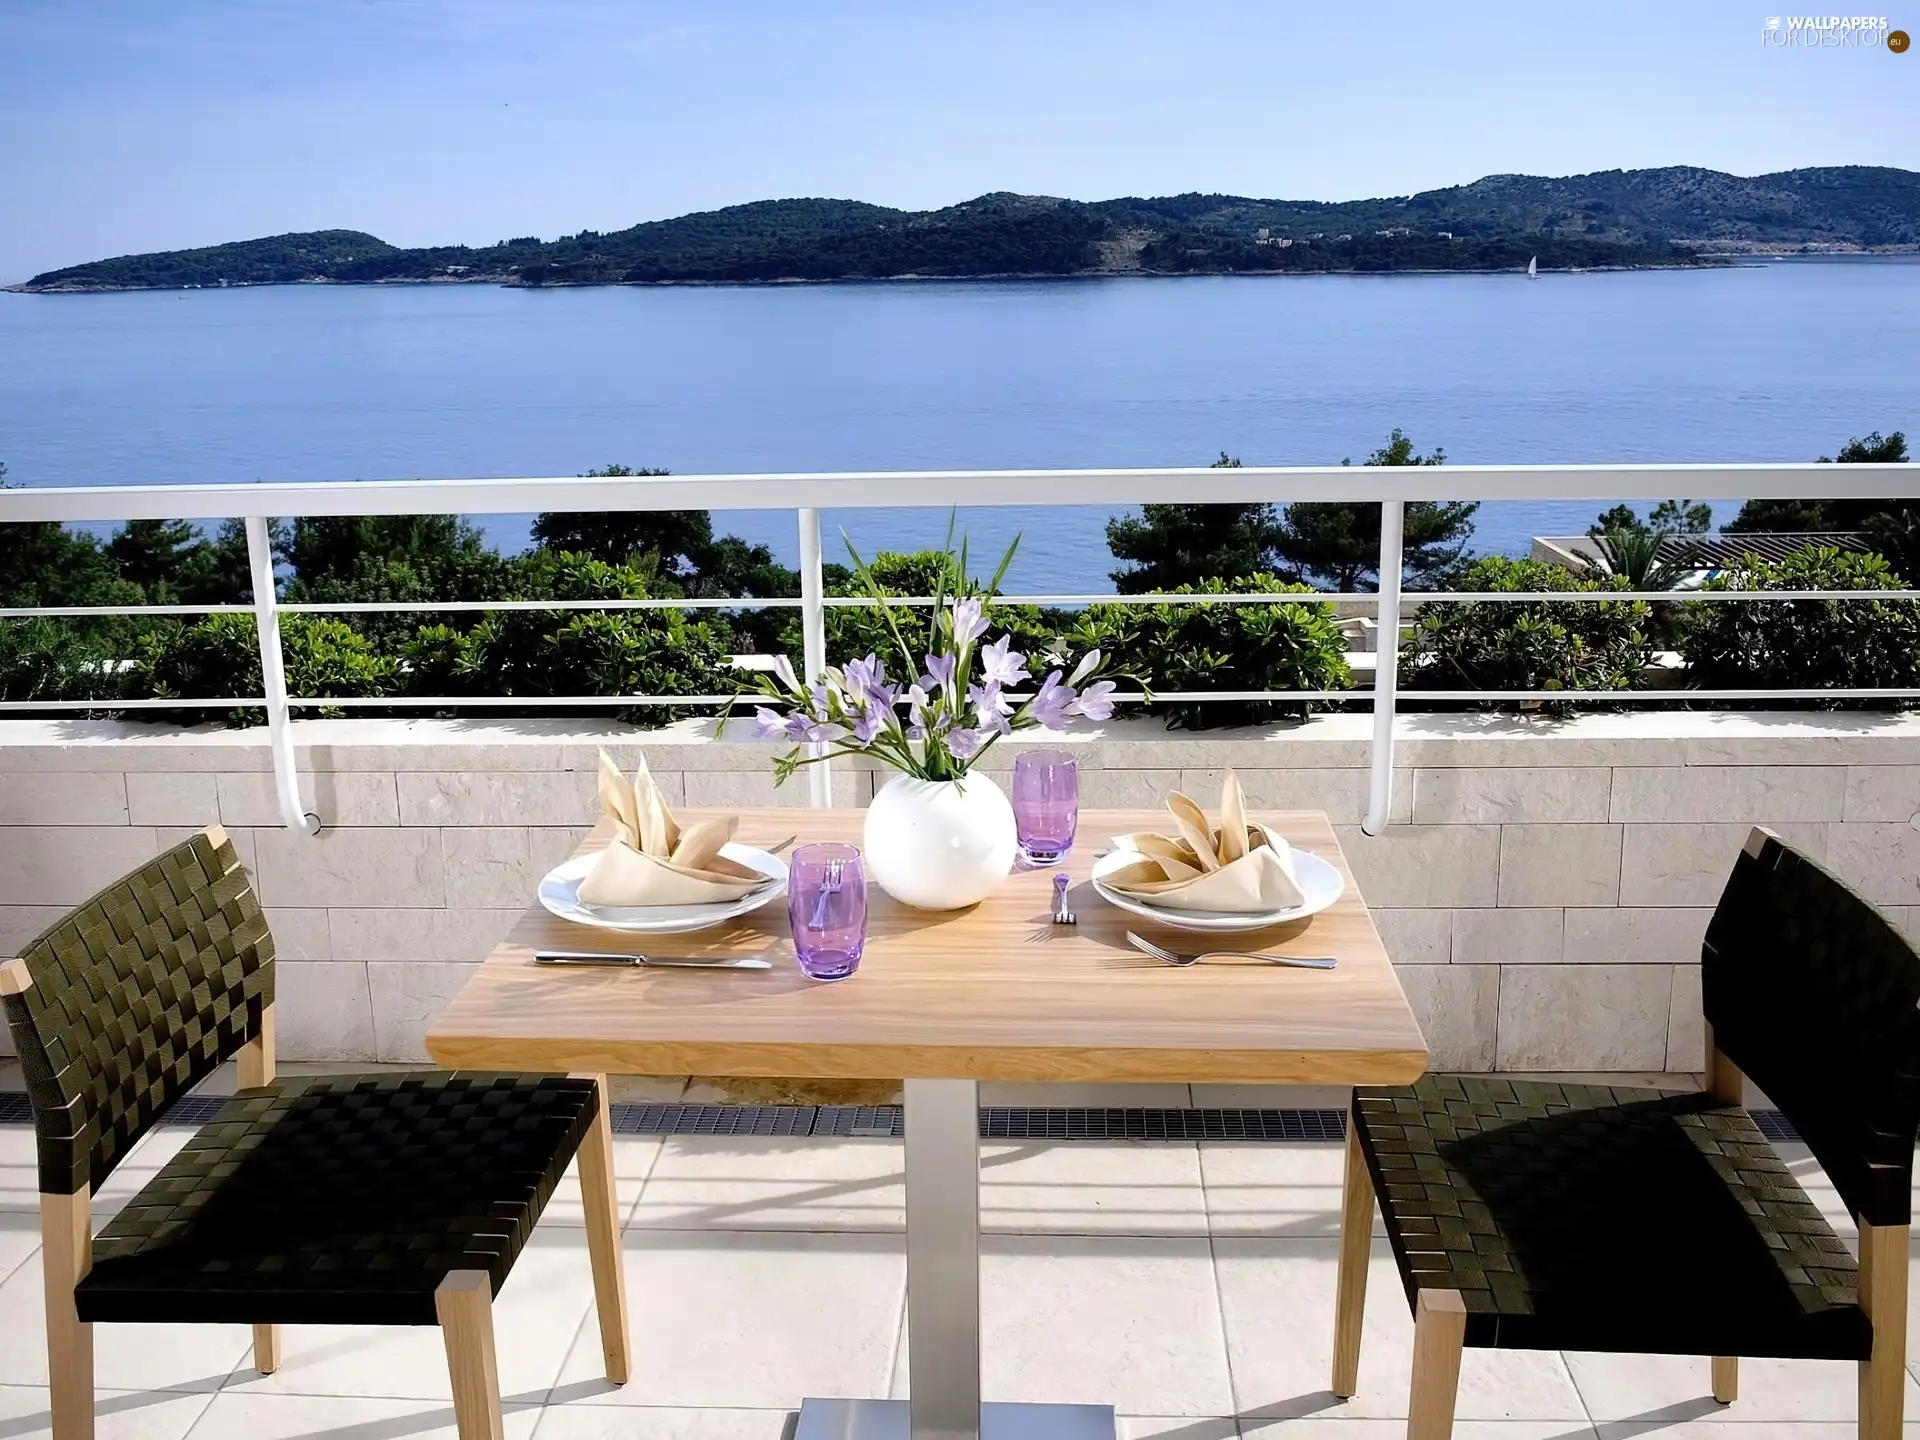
220,656
438,660
532,653
50,659
588,652
1804,644
1529,645
1222,647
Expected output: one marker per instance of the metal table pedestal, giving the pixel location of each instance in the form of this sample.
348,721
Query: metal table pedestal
890,1420
942,1125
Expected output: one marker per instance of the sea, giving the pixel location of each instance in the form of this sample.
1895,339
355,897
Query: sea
1756,362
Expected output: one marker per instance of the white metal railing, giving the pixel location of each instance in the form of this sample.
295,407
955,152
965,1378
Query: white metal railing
809,494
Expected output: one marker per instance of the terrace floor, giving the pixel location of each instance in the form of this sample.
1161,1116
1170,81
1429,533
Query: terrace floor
1188,1285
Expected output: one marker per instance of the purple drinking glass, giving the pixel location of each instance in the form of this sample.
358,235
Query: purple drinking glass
1046,804
827,909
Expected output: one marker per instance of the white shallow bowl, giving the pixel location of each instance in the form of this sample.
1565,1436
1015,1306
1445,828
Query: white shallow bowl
560,893
1320,882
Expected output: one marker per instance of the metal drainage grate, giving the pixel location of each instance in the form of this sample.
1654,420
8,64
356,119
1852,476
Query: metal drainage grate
882,1122
858,1122
1116,1124
713,1119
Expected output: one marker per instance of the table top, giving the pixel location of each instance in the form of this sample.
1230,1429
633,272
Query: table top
993,992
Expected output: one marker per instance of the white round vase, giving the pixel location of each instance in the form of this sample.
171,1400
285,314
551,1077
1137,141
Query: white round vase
939,844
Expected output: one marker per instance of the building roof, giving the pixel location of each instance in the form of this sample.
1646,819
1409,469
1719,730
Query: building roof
1714,552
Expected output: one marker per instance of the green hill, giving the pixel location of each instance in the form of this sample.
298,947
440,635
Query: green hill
317,254
1615,217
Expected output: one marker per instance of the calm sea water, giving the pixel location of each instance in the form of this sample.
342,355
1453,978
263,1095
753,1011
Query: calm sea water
1781,362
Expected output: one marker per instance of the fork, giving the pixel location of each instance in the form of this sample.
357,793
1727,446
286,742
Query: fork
1174,957
1061,914
829,887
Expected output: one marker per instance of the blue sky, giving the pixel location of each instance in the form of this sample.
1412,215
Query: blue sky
150,124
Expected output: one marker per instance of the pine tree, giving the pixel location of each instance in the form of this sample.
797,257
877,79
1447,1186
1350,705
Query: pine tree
1795,516
157,555
1166,546
1336,544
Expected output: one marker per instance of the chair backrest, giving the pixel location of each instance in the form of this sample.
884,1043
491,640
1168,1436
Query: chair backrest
136,997
1812,993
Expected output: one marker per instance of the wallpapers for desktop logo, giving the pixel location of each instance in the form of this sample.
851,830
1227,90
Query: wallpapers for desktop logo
1831,32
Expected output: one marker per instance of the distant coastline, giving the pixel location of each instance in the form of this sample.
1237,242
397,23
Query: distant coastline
514,282
1679,217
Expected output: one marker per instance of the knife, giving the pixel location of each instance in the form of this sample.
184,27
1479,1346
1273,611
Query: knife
601,957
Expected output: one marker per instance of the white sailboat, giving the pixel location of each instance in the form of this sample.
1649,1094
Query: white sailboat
1533,267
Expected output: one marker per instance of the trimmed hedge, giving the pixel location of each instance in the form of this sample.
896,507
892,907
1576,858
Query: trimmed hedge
532,653
1533,645
1222,647
1805,644
220,656
1529,645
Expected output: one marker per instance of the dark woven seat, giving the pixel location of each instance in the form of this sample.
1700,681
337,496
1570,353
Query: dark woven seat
1577,1217
1526,1215
397,1199
340,1200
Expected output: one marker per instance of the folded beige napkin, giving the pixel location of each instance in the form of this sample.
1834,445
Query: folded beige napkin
652,861
1240,866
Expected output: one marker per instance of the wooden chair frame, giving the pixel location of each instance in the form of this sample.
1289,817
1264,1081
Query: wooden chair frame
463,1301
1439,1326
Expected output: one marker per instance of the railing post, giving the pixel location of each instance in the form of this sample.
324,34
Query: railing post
1386,667
273,679
813,641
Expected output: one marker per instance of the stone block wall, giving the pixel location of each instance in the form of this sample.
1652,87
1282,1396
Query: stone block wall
1543,887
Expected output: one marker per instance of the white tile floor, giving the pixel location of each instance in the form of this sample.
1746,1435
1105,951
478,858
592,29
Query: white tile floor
1190,1286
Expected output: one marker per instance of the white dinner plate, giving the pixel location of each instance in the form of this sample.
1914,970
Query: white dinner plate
1318,880
560,893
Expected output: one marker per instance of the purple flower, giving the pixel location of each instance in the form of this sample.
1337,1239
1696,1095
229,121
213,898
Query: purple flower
772,724
1096,701
1089,663
1053,705
871,722
991,708
866,677
783,672
917,705
800,726
968,623
939,673
964,744
989,702
1002,664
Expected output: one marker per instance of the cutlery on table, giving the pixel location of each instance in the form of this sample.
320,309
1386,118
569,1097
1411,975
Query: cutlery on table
778,846
1061,914
601,957
1174,957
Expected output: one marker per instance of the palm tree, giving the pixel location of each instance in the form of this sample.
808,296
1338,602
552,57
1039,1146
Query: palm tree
1636,554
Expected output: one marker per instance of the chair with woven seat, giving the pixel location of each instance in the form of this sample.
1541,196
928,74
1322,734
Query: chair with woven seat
400,1198
1527,1215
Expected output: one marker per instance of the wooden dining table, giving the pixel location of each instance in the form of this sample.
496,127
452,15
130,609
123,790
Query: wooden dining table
943,1001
